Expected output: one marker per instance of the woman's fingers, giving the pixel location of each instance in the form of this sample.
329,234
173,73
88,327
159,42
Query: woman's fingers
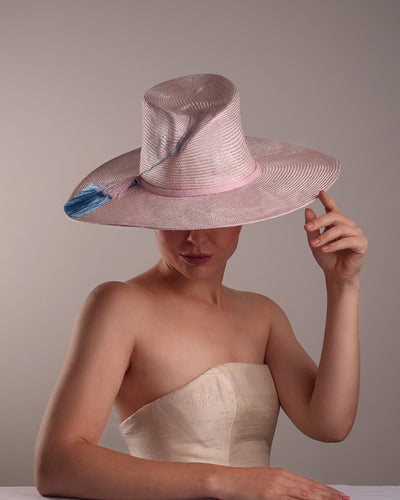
302,488
329,219
337,243
334,233
358,244
309,218
308,488
332,216
328,202
271,483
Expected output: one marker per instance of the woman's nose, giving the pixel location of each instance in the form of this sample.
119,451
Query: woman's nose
197,237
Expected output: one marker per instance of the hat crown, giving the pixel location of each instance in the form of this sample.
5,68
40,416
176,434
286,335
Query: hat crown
192,135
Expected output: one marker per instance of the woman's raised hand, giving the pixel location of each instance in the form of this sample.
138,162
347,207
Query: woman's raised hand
268,483
340,249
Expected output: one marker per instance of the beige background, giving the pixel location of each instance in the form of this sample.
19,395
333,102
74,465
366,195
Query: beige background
323,74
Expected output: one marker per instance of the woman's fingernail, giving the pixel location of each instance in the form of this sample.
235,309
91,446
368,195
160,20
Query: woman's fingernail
309,225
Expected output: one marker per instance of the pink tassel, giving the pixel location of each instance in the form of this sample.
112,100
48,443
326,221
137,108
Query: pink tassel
117,189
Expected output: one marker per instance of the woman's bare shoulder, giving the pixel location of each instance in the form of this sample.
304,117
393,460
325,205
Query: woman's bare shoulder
110,291
254,299
115,301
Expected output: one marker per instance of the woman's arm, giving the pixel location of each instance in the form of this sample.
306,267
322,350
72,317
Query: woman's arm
68,460
322,401
340,251
85,470
335,396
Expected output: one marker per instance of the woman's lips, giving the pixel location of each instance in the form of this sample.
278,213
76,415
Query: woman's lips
196,258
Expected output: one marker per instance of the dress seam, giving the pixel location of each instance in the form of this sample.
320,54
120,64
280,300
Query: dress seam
234,417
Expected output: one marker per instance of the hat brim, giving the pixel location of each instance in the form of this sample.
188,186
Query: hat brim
291,178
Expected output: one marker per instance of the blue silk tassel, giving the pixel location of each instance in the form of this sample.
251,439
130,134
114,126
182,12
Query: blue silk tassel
86,201
92,196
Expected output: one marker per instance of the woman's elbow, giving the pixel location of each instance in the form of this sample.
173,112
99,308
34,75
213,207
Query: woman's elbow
43,487
332,434
49,470
43,478
45,470
335,437
341,433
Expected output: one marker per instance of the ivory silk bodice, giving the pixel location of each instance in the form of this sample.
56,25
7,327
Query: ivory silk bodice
227,416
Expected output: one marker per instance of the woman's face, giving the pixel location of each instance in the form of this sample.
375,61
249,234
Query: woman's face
197,253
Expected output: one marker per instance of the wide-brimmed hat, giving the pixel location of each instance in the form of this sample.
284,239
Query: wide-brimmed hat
196,169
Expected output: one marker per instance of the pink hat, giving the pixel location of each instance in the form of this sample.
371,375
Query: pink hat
196,169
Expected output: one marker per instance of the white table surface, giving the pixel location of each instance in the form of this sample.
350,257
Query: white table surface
355,492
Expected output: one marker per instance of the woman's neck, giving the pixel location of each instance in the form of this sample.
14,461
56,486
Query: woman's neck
208,289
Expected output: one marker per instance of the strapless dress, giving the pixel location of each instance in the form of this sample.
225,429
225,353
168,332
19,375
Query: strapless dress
226,416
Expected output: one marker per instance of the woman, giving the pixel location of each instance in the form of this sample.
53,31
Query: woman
196,370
